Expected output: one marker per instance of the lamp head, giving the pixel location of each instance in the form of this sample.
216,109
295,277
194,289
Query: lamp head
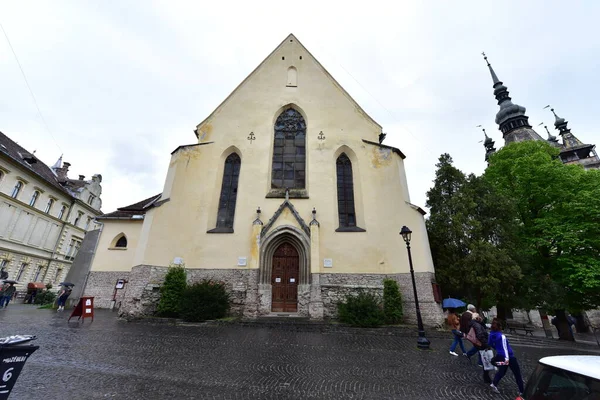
405,232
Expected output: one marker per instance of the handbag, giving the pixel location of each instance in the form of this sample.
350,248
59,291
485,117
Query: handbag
472,337
486,359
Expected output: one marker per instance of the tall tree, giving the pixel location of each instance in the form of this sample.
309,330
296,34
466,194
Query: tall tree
469,227
558,221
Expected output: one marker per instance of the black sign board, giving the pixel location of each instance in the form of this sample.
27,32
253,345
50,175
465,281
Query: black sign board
12,360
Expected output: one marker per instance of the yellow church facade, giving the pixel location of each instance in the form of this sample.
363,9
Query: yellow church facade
288,196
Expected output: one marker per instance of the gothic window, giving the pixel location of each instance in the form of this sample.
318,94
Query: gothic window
229,188
289,151
122,242
345,192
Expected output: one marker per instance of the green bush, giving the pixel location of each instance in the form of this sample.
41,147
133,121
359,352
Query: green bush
205,300
45,297
392,302
171,292
362,310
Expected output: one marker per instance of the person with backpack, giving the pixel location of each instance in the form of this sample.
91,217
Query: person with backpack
505,358
63,296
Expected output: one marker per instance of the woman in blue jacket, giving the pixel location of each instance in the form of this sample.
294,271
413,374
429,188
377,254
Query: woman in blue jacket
505,357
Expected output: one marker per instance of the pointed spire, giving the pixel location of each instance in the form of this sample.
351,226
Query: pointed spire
58,163
494,76
511,118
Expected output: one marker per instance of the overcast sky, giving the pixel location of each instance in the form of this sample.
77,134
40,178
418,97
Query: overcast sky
123,83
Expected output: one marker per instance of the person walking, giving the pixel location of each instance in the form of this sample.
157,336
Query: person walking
63,296
481,343
466,317
504,359
454,323
8,294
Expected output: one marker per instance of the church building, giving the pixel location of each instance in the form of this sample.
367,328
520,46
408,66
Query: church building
515,127
288,196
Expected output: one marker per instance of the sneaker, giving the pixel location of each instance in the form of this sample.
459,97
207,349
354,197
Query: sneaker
494,388
465,354
454,354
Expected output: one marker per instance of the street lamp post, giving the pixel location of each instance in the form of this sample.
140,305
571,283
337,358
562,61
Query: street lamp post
422,341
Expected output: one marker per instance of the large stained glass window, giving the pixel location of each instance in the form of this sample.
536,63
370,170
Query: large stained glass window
345,192
289,151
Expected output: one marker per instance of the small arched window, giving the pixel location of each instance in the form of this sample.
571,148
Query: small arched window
16,189
345,192
289,151
228,197
122,242
49,206
34,198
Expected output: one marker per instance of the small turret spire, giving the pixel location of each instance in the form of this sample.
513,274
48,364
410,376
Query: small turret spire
488,143
58,163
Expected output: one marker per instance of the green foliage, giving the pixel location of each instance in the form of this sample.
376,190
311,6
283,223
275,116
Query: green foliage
205,300
392,302
45,297
472,238
558,224
362,310
171,292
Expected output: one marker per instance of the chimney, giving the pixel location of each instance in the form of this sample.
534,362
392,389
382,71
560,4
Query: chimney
62,173
81,177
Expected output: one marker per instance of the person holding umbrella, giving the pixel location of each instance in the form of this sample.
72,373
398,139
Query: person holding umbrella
454,324
64,294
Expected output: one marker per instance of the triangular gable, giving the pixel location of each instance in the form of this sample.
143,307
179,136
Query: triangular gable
290,36
286,204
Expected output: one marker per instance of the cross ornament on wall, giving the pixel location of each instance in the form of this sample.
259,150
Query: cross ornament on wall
321,136
251,137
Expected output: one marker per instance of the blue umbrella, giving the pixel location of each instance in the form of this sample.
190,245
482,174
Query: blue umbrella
453,303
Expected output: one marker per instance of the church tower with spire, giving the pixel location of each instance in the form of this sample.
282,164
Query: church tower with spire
514,125
511,118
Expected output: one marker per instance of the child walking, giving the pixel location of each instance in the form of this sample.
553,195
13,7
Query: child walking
505,357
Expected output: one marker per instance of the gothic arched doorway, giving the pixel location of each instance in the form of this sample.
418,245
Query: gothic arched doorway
284,278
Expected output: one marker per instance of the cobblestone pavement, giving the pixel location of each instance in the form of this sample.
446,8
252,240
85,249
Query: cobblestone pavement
108,358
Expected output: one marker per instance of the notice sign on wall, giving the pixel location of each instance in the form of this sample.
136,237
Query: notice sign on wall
242,261
328,263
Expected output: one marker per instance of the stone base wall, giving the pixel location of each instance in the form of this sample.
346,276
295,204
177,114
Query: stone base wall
101,286
250,299
335,287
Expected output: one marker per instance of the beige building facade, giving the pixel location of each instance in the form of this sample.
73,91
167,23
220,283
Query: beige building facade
44,215
288,196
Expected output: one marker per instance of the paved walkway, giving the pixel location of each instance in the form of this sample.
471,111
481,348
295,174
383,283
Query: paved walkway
108,358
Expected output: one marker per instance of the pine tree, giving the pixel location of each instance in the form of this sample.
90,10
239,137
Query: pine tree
171,292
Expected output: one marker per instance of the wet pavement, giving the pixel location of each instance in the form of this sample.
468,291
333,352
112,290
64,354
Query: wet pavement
109,358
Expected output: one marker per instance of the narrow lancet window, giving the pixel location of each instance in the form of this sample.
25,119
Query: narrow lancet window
345,192
229,188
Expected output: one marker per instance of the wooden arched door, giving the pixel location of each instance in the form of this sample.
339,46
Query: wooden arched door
284,279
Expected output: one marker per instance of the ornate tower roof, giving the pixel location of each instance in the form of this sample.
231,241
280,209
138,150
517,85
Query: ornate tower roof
511,118
488,143
574,150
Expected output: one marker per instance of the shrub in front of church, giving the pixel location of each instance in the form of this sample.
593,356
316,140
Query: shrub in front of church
205,300
392,302
45,297
171,292
363,309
